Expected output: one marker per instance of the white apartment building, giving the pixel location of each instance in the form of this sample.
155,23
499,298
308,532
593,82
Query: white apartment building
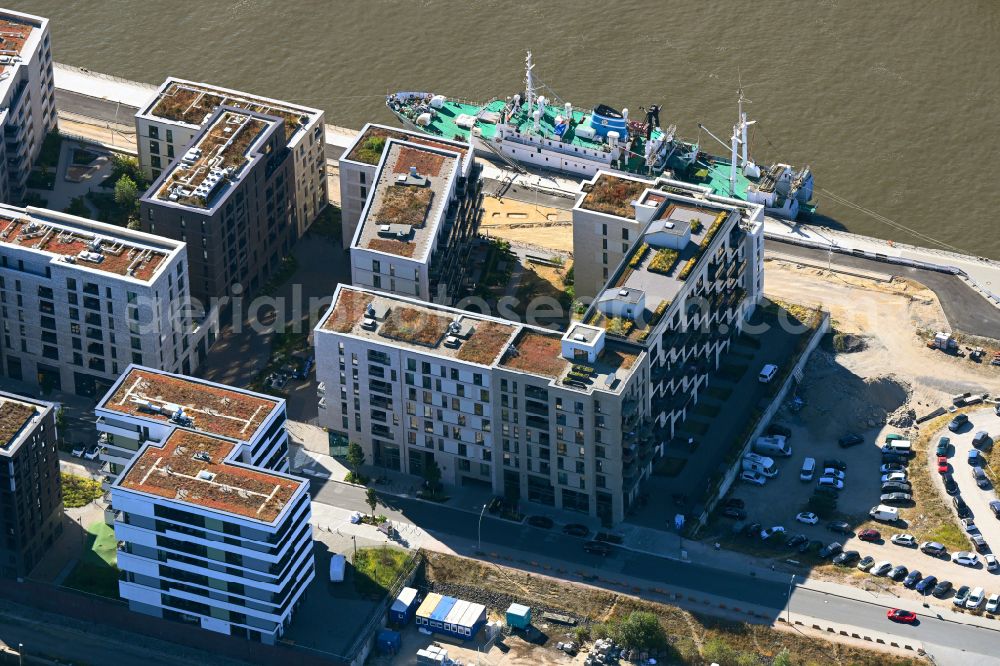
27,102
147,405
207,539
177,112
420,214
360,162
573,421
81,300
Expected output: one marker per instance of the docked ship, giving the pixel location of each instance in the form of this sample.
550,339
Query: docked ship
535,130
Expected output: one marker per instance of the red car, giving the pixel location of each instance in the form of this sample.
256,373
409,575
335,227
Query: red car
900,615
943,467
869,535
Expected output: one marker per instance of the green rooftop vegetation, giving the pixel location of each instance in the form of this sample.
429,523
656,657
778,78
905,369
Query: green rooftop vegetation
663,261
414,326
614,195
369,151
404,205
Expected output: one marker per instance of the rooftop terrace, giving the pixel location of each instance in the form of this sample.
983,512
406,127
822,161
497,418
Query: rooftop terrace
193,103
82,247
14,415
465,336
367,148
214,409
408,201
13,36
614,195
192,468
214,162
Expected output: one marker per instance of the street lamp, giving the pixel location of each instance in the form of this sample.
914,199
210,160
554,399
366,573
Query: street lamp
788,606
479,547
20,654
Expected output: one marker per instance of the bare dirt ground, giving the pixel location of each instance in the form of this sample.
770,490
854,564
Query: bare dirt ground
528,224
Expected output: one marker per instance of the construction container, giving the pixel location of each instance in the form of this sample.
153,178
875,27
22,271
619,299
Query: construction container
389,641
518,616
403,608
450,616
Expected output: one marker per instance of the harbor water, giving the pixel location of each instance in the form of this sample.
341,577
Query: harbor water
891,103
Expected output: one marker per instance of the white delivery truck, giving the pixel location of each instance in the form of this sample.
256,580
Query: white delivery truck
886,514
753,462
775,445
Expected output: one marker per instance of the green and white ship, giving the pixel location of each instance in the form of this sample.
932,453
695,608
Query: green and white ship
534,130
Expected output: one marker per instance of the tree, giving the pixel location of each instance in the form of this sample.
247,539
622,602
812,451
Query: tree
355,458
640,630
783,658
77,206
127,194
127,165
432,475
60,423
371,499
133,223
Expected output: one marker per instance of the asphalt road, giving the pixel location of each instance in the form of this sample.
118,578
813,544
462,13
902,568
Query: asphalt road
94,107
458,529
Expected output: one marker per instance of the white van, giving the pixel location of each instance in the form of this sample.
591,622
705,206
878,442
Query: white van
900,446
808,469
975,600
886,514
767,373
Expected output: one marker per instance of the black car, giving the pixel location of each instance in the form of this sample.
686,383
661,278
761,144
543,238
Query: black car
995,508
735,501
543,522
734,512
753,529
961,507
575,529
895,458
850,440
949,484
796,541
942,588
597,548
912,579
810,546
979,543
896,487
831,549
826,492
958,422
839,526
836,464
982,441
926,585
778,429
934,549
898,573
847,558
896,499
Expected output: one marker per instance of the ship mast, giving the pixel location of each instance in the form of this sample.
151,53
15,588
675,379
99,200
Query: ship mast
529,84
744,123
732,166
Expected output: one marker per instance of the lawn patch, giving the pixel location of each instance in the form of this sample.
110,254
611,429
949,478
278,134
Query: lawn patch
376,569
97,571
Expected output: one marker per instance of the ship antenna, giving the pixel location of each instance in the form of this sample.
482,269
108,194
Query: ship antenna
529,84
744,123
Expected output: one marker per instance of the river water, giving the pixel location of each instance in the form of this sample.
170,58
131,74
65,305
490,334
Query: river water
892,103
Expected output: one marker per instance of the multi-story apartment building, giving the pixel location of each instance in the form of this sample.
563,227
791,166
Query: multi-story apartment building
180,109
81,300
360,162
573,421
229,197
146,405
210,540
27,101
420,216
30,489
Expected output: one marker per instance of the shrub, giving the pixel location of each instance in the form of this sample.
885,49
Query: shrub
688,267
619,326
639,255
79,491
663,261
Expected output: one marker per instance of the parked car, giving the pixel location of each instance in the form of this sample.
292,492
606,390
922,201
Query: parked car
894,476
796,541
907,540
941,589
943,467
993,604
78,450
754,478
995,508
866,563
895,487
839,526
753,529
807,517
896,498
965,558
767,373
575,529
981,440
813,546
912,579
597,548
778,429
831,549
890,457
969,525
808,469
979,543
92,452
934,549
734,512
830,482
543,522
900,615
834,473
943,446
849,440
881,568
991,562
958,422
847,558
961,507
926,586
892,467
839,465
961,596
870,535
735,501
771,531
950,486
974,457
898,573
826,492
980,476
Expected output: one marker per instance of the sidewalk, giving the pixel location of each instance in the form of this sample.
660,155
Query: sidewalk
102,86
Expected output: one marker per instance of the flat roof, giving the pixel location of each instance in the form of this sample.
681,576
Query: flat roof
195,469
193,103
409,200
82,243
425,327
19,34
368,145
215,161
15,413
212,408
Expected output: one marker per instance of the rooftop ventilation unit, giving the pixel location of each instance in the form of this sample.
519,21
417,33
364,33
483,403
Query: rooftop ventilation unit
93,257
205,475
203,456
580,337
368,323
623,293
452,341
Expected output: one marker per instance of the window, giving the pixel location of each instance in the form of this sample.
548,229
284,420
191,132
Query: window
154,147
154,132
624,234
170,136
155,162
